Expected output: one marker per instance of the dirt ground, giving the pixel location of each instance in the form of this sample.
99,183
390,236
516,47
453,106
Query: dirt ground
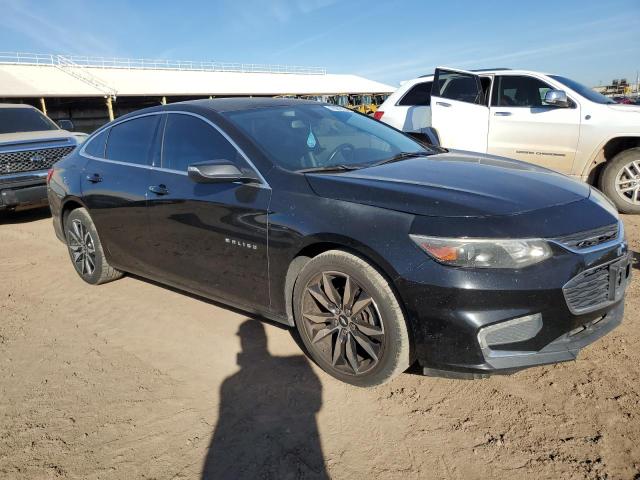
134,380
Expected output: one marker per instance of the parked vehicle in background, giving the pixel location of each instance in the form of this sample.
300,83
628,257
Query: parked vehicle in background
548,120
30,143
623,100
379,250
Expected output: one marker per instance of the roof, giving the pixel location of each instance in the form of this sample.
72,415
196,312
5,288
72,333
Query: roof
20,81
15,105
244,103
222,105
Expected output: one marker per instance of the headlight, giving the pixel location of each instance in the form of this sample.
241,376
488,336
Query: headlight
484,252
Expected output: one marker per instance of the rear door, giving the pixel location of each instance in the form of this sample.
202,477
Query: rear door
523,127
459,111
411,113
114,188
207,237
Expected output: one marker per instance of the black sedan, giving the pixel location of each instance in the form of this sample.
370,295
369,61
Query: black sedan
380,250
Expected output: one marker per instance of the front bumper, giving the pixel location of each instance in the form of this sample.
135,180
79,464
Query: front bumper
448,314
23,190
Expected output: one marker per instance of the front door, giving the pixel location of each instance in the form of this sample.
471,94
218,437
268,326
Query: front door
458,110
210,238
114,187
523,127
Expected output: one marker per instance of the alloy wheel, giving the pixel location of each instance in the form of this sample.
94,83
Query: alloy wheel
628,182
82,247
343,323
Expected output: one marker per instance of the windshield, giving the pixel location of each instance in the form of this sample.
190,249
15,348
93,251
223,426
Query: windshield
13,120
583,90
307,136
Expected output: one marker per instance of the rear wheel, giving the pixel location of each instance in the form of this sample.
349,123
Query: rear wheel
350,320
620,180
86,250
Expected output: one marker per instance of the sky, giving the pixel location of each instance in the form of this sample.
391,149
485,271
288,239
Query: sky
384,40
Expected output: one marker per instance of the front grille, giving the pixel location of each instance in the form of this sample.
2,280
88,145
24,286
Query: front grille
597,287
29,160
590,238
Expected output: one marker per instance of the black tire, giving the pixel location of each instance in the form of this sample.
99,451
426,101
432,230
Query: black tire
613,173
374,340
85,249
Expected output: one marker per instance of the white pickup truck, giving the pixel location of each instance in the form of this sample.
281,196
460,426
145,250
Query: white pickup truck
544,119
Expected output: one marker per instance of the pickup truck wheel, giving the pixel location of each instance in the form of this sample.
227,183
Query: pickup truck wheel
350,320
620,180
86,250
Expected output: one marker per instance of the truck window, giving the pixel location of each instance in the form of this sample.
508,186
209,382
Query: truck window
21,119
519,91
418,95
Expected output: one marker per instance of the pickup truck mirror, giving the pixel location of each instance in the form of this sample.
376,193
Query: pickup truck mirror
66,124
217,171
557,98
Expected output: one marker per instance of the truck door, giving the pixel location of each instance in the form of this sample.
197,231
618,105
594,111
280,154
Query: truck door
458,110
523,127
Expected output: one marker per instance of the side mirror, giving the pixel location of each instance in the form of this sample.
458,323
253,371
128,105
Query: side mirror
217,171
557,98
66,124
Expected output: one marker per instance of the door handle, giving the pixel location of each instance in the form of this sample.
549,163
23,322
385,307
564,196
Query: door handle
159,189
443,104
95,178
502,114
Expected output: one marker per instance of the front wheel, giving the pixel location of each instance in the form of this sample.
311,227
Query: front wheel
620,180
350,320
86,250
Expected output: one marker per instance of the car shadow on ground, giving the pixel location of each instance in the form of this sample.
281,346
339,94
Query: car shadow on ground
267,416
23,216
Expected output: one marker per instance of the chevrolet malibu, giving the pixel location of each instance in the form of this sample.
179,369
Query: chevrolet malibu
382,252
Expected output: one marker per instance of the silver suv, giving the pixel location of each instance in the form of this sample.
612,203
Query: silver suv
30,143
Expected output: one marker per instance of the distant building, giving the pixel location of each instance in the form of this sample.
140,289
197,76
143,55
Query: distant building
91,90
617,87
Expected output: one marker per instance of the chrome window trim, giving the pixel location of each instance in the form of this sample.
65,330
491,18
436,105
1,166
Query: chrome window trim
603,246
263,184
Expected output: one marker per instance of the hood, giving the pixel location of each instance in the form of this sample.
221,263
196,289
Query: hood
453,184
20,139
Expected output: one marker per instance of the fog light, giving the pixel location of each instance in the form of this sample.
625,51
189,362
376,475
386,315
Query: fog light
511,331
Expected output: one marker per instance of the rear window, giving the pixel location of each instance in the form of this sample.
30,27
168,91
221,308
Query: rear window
418,95
133,141
14,120
95,147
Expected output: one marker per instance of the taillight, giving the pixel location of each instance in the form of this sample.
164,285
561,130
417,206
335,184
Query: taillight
49,174
378,114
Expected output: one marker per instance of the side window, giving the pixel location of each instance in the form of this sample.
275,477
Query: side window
519,91
188,140
419,94
458,86
95,147
133,141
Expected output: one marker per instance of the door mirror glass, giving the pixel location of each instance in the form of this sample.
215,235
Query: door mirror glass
217,171
557,98
66,124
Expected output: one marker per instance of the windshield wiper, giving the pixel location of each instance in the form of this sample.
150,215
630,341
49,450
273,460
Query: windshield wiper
330,169
400,156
